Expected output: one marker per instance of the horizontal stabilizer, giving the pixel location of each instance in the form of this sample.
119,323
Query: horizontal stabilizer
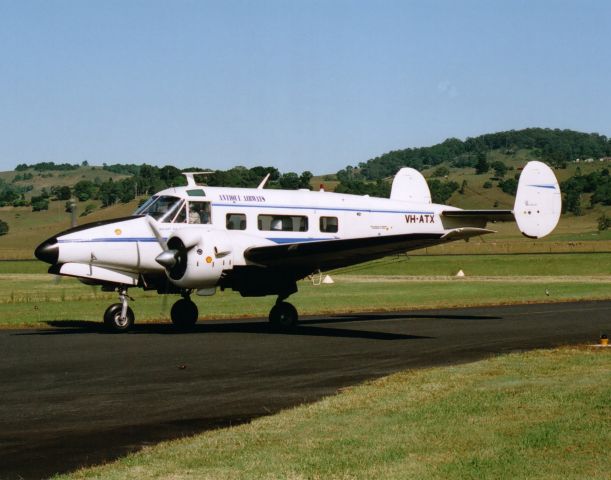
487,215
465,233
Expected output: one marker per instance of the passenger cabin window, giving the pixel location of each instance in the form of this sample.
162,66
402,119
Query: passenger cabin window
328,224
199,212
236,221
283,223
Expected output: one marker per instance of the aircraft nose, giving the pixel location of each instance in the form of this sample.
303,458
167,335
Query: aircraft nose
48,251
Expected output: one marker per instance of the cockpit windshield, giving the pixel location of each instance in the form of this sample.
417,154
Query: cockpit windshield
161,208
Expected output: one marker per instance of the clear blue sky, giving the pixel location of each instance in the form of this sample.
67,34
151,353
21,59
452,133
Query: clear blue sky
299,85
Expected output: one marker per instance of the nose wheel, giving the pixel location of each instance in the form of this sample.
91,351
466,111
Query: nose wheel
184,313
119,317
115,321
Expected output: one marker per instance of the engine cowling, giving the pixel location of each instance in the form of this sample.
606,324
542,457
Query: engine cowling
196,259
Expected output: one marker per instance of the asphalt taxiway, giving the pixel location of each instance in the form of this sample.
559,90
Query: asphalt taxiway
72,395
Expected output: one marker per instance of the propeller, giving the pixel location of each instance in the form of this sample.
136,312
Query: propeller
174,255
167,258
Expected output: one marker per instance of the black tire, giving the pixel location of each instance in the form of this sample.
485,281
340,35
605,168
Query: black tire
184,313
112,319
283,316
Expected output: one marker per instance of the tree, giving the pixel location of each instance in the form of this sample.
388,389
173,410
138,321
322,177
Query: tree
289,181
84,190
604,222
304,179
442,191
500,169
509,186
3,227
63,193
40,203
572,202
441,172
90,207
482,165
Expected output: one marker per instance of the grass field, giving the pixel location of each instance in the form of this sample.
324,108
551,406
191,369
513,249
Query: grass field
29,297
541,414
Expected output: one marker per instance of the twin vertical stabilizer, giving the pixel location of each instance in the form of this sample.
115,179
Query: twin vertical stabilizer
410,186
538,203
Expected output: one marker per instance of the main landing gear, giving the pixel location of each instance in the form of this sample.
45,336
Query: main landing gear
119,317
184,312
283,315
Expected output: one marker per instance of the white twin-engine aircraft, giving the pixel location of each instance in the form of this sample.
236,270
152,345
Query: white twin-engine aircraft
261,242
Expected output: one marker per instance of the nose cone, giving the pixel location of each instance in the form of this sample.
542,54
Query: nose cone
48,251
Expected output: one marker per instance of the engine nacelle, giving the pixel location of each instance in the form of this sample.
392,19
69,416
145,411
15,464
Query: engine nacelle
200,256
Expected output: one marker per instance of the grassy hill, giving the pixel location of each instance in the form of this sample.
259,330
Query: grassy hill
454,158
28,229
60,178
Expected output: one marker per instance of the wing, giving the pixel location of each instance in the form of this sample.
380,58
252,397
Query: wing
330,254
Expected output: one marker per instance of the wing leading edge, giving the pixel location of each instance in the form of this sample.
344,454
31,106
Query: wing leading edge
330,254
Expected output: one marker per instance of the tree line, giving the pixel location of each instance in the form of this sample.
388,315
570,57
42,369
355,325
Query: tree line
553,146
147,180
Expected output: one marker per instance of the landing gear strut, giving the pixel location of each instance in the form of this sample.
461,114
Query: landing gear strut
283,315
184,312
119,317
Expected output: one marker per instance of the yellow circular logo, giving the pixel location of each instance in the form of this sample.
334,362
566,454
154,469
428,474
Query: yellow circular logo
118,231
208,259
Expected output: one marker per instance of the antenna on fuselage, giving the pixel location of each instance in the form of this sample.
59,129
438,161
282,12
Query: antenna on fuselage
263,182
191,177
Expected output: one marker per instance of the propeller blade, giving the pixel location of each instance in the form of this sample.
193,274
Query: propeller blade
152,223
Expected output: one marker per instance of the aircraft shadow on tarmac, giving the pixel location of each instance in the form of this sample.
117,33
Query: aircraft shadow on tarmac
308,327
357,317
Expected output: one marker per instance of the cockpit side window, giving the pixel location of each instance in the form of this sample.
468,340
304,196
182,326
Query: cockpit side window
162,209
142,208
199,212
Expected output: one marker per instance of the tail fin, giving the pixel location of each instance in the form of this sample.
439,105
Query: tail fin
538,203
410,186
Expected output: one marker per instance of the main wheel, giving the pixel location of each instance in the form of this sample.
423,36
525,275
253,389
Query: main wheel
113,320
184,313
283,316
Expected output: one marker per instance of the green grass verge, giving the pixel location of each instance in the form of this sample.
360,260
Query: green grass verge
541,414
555,264
34,299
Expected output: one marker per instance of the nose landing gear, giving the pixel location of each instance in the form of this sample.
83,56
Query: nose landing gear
119,317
